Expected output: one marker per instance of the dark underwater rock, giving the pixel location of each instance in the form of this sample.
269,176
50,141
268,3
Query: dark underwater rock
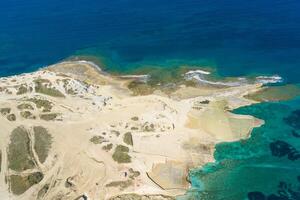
280,148
256,196
295,134
293,119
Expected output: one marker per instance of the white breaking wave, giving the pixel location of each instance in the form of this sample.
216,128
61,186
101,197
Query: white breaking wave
90,63
199,71
269,79
142,78
198,75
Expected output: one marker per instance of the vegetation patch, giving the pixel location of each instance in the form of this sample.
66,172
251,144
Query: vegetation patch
5,111
204,102
139,88
121,184
275,93
117,133
133,174
128,138
25,106
42,103
27,114
121,154
42,81
97,139
19,184
134,118
42,142
11,117
148,127
22,90
107,147
43,191
49,91
68,90
19,152
134,128
49,117
43,86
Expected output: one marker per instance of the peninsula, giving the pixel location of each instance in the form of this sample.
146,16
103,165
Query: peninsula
71,131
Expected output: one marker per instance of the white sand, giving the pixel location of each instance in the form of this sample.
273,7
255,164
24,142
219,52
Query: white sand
171,135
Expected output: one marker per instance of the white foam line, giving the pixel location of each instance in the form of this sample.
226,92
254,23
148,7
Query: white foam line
197,71
269,79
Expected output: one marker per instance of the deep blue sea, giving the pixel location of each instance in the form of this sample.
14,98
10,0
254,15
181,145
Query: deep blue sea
236,37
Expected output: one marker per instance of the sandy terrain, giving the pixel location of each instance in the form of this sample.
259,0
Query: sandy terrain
104,142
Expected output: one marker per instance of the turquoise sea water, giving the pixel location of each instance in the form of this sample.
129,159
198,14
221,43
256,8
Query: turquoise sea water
236,37
263,167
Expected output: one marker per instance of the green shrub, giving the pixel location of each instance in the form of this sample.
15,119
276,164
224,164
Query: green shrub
121,154
128,138
42,142
19,151
49,117
25,106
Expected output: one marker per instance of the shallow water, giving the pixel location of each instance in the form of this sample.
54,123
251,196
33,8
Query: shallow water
265,166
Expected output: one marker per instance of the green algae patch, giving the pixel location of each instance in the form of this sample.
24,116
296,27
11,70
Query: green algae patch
19,152
275,93
121,154
127,139
42,143
19,184
139,88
